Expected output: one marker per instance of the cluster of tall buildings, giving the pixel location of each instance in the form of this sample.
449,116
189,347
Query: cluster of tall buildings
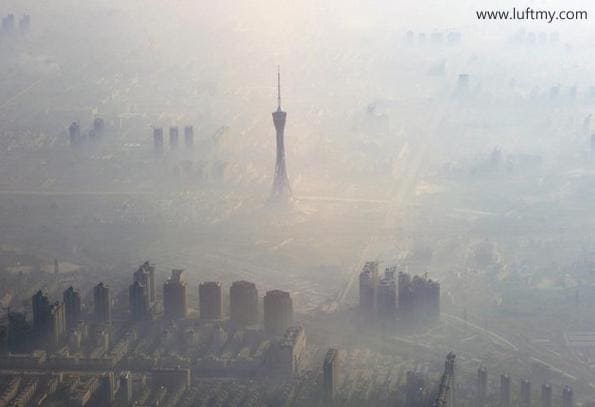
537,38
378,296
158,142
243,301
504,397
391,297
286,351
51,321
418,299
56,323
76,138
261,329
244,305
436,37
59,324
9,23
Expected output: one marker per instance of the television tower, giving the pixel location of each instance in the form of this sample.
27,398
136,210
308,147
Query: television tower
281,189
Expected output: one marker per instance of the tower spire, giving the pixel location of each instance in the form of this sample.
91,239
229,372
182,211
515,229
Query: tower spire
281,189
278,88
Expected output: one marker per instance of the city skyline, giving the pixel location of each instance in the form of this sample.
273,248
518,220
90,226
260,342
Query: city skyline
418,233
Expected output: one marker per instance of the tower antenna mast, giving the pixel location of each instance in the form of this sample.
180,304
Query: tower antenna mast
278,88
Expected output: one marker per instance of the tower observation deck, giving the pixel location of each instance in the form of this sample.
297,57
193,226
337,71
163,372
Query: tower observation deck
281,189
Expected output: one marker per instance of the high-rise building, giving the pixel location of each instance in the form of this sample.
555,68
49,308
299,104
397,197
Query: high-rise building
433,300
174,296
146,276
19,333
8,23
102,301
152,289
243,297
525,393
418,299
173,137
289,351
109,387
482,386
281,189
72,307
25,23
75,339
210,299
368,281
126,387
546,395
142,276
505,392
98,125
567,397
330,373
49,321
158,139
405,297
41,314
3,339
386,297
278,312
57,323
189,137
139,301
74,133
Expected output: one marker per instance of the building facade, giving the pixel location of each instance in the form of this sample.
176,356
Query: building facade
102,302
210,298
243,297
278,312
174,296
